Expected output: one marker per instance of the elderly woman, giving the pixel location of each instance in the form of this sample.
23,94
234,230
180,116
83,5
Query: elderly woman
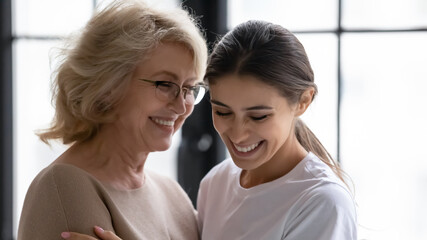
124,87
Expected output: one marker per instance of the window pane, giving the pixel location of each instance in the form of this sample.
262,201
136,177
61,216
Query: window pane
384,14
32,111
165,4
292,14
321,116
383,132
50,17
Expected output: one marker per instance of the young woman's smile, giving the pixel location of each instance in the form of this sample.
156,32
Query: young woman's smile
255,123
246,150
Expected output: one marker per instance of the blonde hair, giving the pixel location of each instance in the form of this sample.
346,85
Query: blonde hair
97,66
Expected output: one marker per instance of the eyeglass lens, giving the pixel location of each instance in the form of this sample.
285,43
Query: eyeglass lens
169,91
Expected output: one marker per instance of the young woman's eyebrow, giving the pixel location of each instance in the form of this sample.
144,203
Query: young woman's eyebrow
219,103
260,107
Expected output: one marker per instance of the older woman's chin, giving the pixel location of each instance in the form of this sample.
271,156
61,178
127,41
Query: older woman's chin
164,148
162,145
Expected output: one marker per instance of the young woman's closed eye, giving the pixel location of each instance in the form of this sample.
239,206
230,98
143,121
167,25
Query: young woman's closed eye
254,117
222,113
260,117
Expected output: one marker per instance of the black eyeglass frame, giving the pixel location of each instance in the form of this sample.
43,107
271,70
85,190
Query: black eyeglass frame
183,89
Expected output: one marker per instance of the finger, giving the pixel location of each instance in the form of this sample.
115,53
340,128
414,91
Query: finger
105,235
76,236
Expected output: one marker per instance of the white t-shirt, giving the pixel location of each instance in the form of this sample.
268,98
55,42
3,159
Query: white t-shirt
308,203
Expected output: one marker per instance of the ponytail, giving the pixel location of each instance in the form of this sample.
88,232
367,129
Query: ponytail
277,58
312,144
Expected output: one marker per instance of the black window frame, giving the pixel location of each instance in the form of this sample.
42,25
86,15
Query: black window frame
215,25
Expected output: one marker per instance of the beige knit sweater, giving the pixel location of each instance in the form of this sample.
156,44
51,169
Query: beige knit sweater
65,198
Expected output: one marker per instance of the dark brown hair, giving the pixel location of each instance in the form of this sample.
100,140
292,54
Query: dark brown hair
275,56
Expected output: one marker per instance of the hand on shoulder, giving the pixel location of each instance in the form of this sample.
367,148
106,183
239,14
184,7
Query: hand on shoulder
103,234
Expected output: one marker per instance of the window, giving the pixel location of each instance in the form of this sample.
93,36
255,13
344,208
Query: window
35,36
383,128
369,60
372,116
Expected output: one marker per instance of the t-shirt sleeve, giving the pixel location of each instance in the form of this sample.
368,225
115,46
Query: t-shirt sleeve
328,214
61,200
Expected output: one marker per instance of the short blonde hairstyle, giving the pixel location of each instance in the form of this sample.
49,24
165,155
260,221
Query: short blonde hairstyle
97,66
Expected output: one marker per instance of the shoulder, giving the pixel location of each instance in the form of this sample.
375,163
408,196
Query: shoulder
331,195
65,185
64,177
323,192
327,188
57,175
330,186
61,197
328,210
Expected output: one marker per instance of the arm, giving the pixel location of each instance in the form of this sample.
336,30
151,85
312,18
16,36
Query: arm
42,216
62,199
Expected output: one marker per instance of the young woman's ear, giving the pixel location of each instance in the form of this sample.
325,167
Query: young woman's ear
304,101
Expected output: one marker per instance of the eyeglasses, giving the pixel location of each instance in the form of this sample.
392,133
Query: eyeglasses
169,91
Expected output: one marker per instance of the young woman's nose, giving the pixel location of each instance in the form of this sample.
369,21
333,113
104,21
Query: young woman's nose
239,131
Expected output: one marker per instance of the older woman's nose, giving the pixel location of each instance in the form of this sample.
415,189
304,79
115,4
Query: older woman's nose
178,104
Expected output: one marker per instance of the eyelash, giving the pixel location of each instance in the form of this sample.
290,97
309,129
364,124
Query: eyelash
259,118
222,114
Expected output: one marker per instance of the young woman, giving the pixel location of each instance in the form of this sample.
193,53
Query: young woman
280,182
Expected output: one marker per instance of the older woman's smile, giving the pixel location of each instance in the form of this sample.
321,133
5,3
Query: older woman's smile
163,122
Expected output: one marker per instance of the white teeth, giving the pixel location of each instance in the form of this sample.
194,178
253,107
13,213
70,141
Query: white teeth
248,148
163,122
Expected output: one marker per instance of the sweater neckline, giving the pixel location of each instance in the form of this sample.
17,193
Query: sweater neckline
107,185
